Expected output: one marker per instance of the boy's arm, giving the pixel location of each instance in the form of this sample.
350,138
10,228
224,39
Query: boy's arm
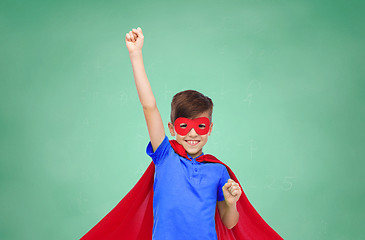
227,208
134,41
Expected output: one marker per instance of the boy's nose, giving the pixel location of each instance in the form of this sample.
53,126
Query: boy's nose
192,133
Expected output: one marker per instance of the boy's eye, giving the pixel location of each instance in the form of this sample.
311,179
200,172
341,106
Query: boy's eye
202,126
183,125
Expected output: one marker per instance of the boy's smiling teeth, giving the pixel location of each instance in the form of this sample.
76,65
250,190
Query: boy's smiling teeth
192,142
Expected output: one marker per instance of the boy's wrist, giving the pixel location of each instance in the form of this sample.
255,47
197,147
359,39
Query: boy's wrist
135,53
231,205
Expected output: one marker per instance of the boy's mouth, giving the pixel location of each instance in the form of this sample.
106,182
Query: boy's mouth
192,142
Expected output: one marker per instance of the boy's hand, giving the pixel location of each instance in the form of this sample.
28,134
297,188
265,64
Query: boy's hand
134,40
232,192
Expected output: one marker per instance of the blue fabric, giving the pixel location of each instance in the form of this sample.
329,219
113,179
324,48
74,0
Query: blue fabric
185,195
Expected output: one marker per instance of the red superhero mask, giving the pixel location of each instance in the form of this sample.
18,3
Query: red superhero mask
184,125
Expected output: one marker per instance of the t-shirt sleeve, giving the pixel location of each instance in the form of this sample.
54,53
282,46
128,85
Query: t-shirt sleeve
224,179
161,152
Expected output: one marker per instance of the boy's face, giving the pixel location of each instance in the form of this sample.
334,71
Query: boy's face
192,142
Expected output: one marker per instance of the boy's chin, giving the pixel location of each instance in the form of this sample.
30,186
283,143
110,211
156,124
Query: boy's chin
193,152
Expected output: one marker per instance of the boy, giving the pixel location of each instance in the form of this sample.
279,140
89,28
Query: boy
176,197
185,191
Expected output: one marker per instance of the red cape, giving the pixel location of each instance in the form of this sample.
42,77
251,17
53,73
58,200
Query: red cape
132,217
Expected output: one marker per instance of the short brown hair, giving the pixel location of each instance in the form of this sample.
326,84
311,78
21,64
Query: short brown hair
190,103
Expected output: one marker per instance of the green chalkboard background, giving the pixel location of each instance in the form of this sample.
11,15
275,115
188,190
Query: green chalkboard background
286,78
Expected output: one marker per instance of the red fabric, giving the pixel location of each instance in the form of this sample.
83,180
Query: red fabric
132,218
192,123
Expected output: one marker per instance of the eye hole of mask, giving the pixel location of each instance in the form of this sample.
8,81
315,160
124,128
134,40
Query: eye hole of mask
201,126
183,125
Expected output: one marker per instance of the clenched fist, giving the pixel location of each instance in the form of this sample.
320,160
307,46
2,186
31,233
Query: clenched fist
232,192
134,40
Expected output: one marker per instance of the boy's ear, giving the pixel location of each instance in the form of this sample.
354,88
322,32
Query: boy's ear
210,128
171,128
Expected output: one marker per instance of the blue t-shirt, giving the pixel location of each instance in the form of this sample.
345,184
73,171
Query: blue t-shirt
185,195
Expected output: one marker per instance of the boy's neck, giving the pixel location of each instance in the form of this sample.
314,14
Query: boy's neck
193,157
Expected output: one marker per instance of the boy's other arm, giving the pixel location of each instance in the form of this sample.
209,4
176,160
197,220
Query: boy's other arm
134,41
227,208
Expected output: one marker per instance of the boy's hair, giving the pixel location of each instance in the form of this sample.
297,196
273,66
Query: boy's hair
189,104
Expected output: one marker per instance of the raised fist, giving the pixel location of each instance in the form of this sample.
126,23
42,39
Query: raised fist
232,191
134,40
